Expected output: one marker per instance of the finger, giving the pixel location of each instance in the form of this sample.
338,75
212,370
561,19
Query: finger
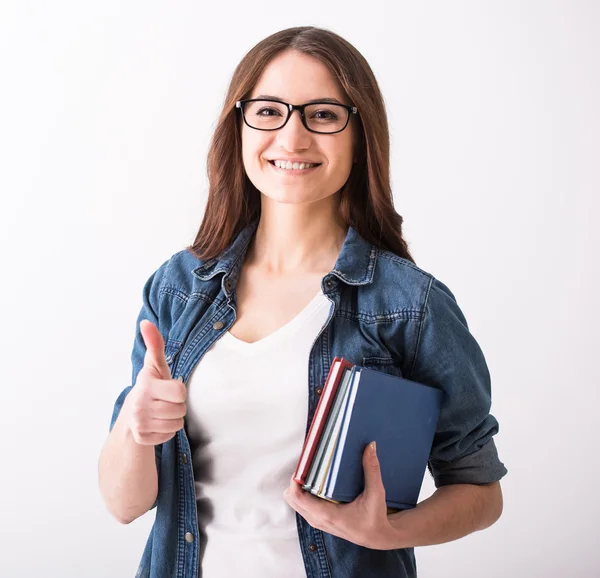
319,508
162,426
168,410
152,439
372,470
155,349
172,390
295,489
298,508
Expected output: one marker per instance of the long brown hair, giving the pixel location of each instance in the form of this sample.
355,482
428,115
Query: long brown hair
366,201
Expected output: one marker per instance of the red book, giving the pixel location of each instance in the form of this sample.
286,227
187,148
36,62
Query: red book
320,418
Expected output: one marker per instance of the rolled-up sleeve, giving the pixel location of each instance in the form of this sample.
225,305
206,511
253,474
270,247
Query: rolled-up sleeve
448,357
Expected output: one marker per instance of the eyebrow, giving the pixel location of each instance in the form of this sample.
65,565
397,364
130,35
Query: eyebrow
324,99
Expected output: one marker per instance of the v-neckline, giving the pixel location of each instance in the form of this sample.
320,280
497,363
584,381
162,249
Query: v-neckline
279,333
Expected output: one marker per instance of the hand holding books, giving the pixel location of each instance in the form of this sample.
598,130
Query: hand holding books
364,521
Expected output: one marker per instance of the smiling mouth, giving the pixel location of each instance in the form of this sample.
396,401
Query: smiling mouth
296,171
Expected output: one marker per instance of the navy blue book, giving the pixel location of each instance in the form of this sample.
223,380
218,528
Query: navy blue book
401,416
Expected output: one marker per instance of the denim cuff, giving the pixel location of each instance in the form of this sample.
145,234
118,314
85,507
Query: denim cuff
480,467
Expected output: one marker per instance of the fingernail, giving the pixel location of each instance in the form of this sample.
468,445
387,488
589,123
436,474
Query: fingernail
374,448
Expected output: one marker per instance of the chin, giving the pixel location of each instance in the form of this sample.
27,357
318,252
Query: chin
291,197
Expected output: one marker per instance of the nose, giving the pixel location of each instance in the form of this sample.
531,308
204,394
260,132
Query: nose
294,135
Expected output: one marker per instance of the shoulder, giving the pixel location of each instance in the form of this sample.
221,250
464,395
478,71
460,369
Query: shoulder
391,263
418,285
176,276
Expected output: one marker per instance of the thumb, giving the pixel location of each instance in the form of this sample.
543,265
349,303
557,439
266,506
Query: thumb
155,349
373,483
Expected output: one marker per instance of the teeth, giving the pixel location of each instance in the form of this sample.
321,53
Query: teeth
289,165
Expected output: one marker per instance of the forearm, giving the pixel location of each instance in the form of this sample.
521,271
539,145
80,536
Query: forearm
127,474
452,512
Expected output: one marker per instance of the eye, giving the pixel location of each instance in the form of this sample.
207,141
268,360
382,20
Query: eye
325,114
269,110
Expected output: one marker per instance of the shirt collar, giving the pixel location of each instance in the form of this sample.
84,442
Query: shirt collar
355,264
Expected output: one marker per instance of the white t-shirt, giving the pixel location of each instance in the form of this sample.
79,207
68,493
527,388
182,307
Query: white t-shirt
246,420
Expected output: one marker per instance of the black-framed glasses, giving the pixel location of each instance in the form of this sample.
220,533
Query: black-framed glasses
272,114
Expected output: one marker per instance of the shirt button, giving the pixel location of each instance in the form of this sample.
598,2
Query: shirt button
319,390
228,285
189,537
218,325
312,547
184,458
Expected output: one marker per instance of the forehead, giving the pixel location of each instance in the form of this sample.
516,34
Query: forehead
297,78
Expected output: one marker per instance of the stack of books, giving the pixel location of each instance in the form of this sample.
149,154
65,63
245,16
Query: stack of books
359,405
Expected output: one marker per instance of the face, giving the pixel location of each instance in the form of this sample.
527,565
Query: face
297,78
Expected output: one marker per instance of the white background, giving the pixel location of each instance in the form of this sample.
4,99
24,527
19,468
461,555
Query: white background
106,110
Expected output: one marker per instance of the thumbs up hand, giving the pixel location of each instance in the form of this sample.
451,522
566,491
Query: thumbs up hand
155,406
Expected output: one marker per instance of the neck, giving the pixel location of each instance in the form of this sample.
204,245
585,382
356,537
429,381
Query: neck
292,239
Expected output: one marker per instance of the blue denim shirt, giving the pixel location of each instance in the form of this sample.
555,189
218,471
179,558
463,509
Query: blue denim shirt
386,313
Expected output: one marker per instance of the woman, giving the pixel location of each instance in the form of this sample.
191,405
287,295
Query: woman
293,264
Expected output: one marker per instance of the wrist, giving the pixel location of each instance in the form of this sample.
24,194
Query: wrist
122,424
400,530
